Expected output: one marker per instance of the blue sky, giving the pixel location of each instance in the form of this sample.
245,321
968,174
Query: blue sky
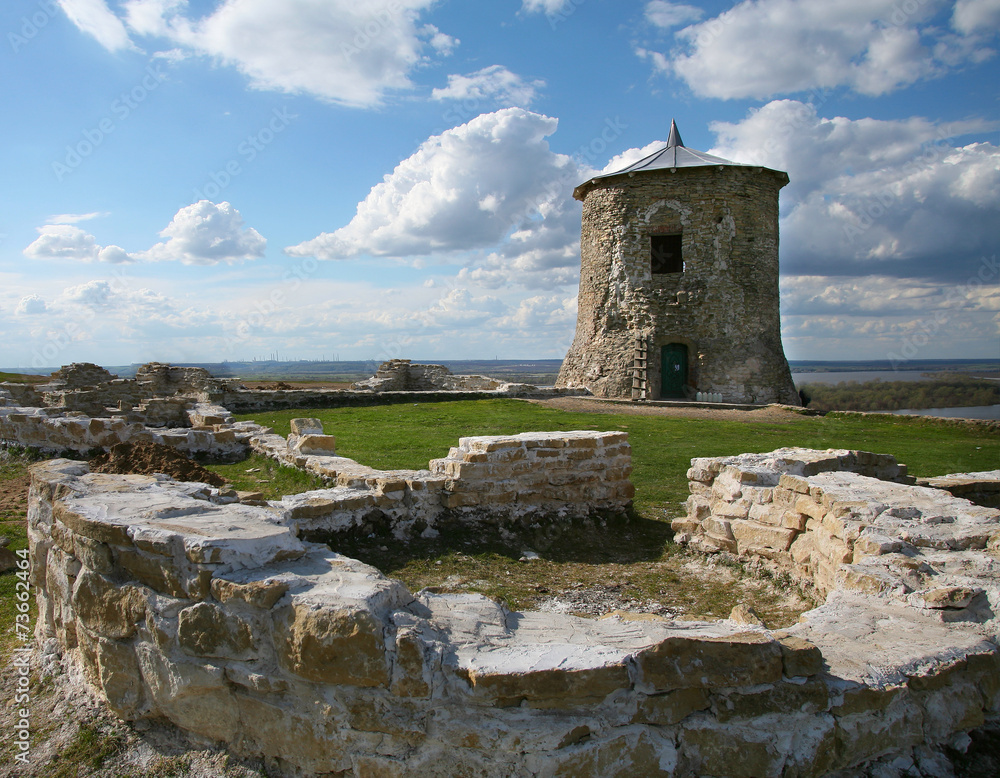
203,180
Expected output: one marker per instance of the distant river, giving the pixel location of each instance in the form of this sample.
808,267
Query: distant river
972,412
860,377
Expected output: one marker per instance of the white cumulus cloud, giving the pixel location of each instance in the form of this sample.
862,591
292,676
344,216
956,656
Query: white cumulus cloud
96,19
63,241
898,198
205,233
30,304
495,84
760,48
669,15
349,52
493,181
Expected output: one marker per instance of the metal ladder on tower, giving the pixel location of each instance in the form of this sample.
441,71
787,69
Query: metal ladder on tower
640,369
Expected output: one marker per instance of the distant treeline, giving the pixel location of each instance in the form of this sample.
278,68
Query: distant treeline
957,392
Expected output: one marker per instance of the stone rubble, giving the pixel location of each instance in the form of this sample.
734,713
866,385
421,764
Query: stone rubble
180,602
84,407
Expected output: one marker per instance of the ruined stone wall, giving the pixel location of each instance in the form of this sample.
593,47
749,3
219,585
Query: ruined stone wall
530,477
207,431
724,307
180,603
842,520
401,375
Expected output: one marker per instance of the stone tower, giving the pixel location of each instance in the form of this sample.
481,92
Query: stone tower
679,281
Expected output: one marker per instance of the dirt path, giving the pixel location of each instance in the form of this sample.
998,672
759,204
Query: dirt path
770,414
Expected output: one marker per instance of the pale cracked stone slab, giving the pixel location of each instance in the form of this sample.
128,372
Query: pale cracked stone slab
879,642
917,515
179,517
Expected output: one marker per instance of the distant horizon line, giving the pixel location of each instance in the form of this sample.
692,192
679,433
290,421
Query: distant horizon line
913,364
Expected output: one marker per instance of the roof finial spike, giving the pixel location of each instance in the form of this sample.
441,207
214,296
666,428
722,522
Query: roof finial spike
674,138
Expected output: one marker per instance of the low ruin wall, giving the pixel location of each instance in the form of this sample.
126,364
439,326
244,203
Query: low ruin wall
180,602
208,430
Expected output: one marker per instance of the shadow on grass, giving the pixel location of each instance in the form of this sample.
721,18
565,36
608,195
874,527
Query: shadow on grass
607,539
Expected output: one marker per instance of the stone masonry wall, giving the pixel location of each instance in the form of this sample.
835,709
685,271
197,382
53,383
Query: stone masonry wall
530,477
179,602
724,307
401,375
210,431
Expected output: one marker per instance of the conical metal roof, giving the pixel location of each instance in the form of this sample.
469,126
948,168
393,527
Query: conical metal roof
671,157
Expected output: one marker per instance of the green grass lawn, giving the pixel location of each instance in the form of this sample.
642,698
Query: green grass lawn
636,557
407,436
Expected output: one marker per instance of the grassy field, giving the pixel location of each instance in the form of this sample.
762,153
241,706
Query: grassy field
637,558
407,436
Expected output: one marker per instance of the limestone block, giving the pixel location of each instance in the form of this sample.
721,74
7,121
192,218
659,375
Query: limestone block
306,426
552,688
193,696
103,532
632,750
952,597
156,572
314,445
794,520
781,699
799,657
261,594
106,608
205,629
410,676
670,708
751,534
118,674
338,645
711,749
719,528
727,486
735,509
741,659
861,737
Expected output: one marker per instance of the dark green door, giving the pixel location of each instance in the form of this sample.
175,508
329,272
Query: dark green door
673,370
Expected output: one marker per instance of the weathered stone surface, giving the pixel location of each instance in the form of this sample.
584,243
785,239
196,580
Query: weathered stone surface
667,709
207,630
554,688
798,657
109,609
333,645
410,672
741,659
193,696
724,305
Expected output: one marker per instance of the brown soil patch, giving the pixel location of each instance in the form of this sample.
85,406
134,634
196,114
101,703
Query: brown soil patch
769,414
14,493
149,458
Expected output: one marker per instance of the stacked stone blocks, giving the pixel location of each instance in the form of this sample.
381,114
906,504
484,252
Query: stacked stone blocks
179,602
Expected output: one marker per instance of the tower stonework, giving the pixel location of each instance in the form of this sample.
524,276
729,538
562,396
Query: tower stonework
679,282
